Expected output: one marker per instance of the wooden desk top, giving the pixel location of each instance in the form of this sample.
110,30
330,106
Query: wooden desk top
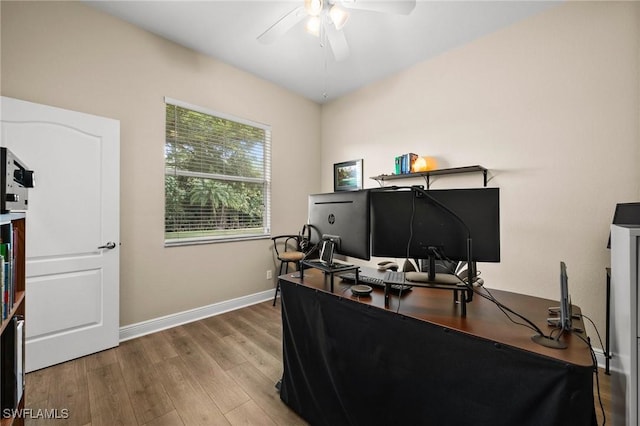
484,319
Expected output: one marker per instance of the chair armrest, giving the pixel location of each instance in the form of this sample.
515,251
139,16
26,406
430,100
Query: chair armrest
286,238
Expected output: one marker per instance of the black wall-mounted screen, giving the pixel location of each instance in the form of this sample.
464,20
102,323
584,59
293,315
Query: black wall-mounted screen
405,223
345,215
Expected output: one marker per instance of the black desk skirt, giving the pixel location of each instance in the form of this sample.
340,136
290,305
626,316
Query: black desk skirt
347,363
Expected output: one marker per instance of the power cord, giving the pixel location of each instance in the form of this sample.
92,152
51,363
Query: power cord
595,370
595,328
595,362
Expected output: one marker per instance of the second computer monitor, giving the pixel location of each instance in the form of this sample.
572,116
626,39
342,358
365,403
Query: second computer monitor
409,224
344,218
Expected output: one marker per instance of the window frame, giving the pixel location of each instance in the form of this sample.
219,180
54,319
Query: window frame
265,181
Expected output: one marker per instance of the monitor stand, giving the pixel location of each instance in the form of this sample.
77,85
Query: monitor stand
444,281
431,277
427,278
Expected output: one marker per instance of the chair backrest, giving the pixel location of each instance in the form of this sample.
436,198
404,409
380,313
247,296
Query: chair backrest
286,243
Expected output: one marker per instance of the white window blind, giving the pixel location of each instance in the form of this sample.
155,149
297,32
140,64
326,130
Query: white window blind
217,176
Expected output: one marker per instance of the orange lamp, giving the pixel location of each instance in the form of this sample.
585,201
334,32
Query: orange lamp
424,164
420,165
432,164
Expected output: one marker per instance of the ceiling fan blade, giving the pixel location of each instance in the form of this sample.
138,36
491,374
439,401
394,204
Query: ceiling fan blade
398,7
337,41
283,25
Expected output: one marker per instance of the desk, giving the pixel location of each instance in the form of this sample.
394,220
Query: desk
349,360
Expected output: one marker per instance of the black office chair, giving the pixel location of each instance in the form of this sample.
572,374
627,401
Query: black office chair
288,249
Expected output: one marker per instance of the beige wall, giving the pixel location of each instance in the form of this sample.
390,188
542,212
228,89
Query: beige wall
69,55
551,106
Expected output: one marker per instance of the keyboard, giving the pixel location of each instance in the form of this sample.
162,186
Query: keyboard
372,281
394,277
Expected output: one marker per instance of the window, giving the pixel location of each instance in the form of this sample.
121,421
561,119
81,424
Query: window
217,176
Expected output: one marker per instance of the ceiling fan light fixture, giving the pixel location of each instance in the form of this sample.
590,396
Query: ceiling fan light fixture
338,16
313,7
313,25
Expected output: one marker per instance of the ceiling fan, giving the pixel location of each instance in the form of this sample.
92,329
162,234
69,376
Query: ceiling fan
326,18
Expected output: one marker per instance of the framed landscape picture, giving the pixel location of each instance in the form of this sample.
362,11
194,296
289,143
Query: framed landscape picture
347,176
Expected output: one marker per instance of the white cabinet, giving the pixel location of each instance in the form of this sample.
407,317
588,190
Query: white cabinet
625,323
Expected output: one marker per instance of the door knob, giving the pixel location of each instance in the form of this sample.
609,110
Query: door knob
110,245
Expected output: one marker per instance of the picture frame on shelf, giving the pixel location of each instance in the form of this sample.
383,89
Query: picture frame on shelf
347,176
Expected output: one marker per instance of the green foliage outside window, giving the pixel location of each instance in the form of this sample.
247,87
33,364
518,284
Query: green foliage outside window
217,176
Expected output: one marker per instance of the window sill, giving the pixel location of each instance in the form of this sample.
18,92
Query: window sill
208,240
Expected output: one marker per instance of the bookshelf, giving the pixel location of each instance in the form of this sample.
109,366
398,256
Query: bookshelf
12,278
427,175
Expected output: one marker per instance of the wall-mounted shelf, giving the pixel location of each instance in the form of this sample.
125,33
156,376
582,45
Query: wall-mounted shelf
455,170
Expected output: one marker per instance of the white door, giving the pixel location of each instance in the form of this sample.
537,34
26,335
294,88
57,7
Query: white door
72,279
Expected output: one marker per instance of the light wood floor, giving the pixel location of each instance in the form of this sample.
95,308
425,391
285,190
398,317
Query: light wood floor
605,397
217,371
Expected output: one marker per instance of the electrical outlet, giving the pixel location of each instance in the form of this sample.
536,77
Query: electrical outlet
269,276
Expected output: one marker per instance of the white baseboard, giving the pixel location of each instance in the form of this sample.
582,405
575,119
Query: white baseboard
600,357
614,364
162,323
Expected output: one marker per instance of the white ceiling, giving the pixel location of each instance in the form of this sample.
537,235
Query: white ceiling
380,44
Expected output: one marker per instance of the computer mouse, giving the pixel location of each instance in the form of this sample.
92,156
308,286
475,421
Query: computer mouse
387,265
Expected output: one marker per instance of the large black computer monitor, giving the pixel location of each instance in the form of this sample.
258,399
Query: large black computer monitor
344,218
408,224
625,214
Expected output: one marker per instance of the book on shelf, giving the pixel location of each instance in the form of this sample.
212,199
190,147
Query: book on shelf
398,165
8,284
409,161
3,309
7,276
404,163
